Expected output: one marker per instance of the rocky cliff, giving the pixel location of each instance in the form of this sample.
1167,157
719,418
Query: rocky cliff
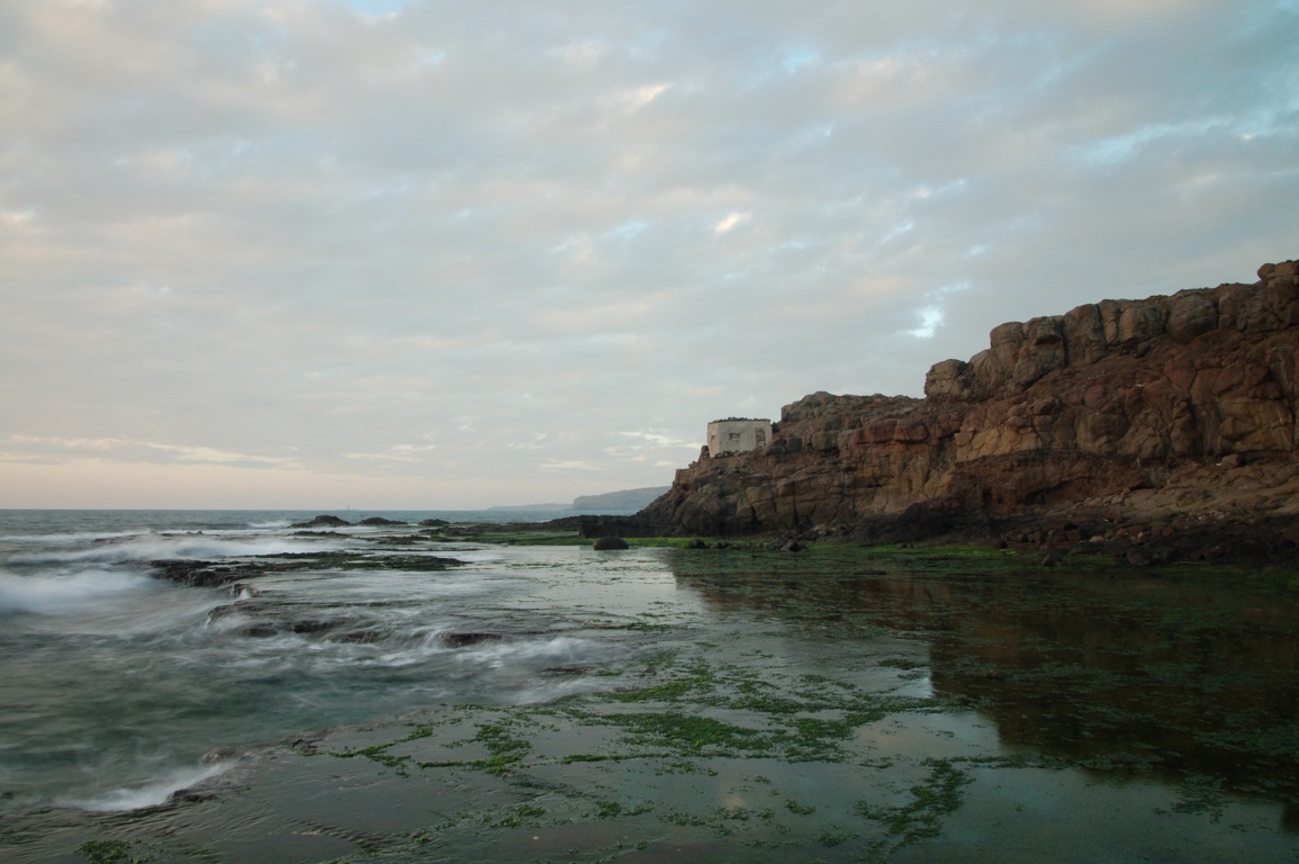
1168,413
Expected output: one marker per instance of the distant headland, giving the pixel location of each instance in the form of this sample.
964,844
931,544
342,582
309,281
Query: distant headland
623,501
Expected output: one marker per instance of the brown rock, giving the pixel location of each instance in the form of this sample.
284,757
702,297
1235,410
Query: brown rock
1130,410
1042,351
1139,323
950,379
1191,314
1084,335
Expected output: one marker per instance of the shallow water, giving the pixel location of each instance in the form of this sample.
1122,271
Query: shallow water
115,681
648,705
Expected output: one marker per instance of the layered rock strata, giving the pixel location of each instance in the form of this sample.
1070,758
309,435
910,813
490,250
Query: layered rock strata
1166,410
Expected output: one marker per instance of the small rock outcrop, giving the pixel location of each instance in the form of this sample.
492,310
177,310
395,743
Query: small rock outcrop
322,521
1175,408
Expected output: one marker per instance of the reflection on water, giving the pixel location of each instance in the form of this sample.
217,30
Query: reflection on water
1191,680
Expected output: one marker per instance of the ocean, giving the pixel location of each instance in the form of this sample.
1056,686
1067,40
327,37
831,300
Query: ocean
120,688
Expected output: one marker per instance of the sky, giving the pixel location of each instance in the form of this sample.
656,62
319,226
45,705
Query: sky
407,254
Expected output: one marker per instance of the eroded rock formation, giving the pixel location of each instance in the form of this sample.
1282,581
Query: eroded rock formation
1169,409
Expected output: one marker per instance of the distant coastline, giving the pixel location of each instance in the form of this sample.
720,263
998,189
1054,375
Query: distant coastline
535,508
625,500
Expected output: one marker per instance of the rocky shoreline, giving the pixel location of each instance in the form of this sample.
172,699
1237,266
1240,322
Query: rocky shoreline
1157,430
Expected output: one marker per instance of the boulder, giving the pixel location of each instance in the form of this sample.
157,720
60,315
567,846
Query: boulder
950,379
1191,314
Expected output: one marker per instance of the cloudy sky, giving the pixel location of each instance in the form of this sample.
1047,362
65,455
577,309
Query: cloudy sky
418,254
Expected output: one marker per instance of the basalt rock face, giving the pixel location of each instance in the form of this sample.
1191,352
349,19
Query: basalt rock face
1175,408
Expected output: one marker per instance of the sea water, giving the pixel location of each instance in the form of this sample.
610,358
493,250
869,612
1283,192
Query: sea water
720,704
119,688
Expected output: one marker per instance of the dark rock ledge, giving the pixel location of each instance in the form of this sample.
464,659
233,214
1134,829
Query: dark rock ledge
213,574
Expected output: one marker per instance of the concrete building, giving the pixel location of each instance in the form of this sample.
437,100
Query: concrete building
737,435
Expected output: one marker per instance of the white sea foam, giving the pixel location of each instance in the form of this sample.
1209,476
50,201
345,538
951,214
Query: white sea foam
415,585
477,556
146,795
66,592
148,547
561,651
551,691
71,538
272,524
228,622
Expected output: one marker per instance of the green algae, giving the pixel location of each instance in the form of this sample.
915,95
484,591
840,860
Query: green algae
112,852
920,817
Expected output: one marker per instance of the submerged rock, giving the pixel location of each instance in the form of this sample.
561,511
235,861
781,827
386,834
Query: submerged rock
216,574
464,640
204,574
608,543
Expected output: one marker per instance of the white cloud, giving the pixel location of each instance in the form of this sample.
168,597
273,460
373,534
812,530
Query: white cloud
27,448
378,8
396,453
660,438
639,97
566,465
731,220
931,318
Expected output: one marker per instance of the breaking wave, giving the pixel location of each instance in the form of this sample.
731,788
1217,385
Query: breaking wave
152,794
148,547
67,592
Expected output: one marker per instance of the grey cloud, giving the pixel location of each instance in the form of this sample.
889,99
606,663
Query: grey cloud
465,246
